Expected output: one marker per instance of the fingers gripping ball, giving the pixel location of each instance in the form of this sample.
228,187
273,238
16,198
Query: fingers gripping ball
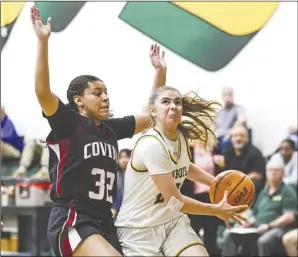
241,190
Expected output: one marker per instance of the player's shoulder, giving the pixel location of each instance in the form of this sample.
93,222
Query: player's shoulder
149,139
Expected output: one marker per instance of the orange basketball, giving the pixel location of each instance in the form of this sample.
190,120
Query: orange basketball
239,186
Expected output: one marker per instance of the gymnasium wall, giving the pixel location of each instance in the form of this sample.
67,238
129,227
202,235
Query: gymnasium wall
112,40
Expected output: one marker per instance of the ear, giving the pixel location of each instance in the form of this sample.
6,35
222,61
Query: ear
78,100
152,111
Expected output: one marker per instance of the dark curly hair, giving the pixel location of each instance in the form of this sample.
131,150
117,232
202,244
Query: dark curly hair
77,87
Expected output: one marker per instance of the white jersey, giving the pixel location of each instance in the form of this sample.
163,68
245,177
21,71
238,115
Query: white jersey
142,204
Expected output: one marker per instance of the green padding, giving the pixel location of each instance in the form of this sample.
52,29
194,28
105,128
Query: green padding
62,13
185,34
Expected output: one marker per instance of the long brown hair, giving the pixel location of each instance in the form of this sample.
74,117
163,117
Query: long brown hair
198,117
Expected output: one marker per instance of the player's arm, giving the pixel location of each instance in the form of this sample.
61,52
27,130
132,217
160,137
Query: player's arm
158,163
61,119
196,174
48,101
143,121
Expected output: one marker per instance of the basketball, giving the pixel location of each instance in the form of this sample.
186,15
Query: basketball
241,190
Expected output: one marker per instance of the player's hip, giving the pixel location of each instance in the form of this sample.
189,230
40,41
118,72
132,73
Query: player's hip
67,227
149,217
168,239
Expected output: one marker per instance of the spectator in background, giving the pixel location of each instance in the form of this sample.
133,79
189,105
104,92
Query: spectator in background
288,157
124,156
11,143
203,158
229,116
273,211
290,242
293,135
34,150
245,157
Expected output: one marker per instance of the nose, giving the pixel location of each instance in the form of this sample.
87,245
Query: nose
105,97
173,106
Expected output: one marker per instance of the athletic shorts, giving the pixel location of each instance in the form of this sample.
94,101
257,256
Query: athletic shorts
67,228
169,239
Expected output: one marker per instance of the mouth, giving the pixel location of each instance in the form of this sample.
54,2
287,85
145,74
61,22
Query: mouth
173,115
106,108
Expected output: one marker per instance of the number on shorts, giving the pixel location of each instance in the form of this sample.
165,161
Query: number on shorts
159,197
102,186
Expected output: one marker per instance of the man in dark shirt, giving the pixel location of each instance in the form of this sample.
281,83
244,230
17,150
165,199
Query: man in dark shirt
245,157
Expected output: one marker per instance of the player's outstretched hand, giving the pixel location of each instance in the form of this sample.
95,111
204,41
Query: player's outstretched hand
42,31
157,59
228,212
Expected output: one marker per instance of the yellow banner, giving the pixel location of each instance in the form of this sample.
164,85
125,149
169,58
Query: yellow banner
235,18
10,11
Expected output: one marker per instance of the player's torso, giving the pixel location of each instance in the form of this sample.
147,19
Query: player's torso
87,166
142,204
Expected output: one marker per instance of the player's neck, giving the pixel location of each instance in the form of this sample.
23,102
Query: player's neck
97,122
169,133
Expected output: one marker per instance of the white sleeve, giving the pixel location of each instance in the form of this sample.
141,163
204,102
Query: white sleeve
154,156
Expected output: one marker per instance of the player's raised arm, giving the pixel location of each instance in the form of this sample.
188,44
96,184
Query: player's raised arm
143,121
160,66
47,100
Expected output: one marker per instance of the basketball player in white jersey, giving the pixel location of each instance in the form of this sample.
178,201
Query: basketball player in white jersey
151,220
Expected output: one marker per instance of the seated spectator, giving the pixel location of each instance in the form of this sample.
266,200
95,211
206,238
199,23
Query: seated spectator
34,150
290,242
203,158
229,116
124,156
288,156
273,211
245,157
293,135
11,143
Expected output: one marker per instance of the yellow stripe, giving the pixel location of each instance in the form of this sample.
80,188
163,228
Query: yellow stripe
179,146
188,148
187,246
131,160
235,18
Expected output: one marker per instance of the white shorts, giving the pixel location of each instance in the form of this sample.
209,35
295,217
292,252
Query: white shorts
169,239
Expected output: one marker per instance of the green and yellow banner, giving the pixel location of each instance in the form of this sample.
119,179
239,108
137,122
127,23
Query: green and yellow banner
208,34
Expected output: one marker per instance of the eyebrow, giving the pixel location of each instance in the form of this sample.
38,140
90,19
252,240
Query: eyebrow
100,89
167,98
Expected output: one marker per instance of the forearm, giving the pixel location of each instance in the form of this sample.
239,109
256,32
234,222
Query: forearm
254,175
282,221
42,78
195,207
159,78
197,174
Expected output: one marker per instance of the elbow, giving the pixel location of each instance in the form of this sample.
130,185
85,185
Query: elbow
174,204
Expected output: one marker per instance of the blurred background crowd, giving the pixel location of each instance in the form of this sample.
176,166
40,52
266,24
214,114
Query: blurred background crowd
256,128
